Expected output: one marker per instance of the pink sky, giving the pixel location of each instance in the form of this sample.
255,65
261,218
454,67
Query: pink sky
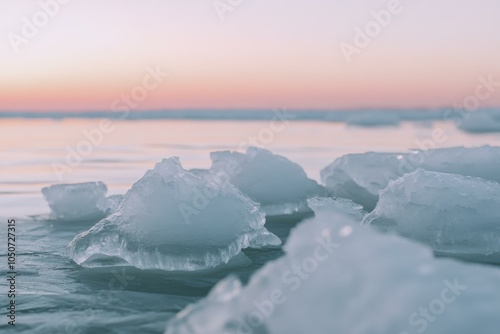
265,54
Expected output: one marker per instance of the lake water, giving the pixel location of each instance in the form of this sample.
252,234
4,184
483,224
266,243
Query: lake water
55,295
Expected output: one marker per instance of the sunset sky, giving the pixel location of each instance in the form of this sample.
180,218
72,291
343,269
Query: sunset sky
265,54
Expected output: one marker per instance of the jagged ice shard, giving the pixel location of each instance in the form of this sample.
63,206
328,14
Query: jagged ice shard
360,177
174,220
455,215
278,184
80,201
340,277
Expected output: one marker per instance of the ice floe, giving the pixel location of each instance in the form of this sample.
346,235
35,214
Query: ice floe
172,219
341,277
80,201
373,119
278,184
361,176
480,121
454,214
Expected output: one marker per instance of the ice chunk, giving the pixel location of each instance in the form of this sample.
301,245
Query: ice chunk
342,206
480,121
279,185
342,277
360,176
172,219
453,214
80,201
112,203
372,118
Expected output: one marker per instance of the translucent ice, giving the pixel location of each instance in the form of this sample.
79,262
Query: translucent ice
279,185
172,219
342,206
360,176
451,213
340,277
80,201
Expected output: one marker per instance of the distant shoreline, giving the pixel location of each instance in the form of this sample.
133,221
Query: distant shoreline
238,115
